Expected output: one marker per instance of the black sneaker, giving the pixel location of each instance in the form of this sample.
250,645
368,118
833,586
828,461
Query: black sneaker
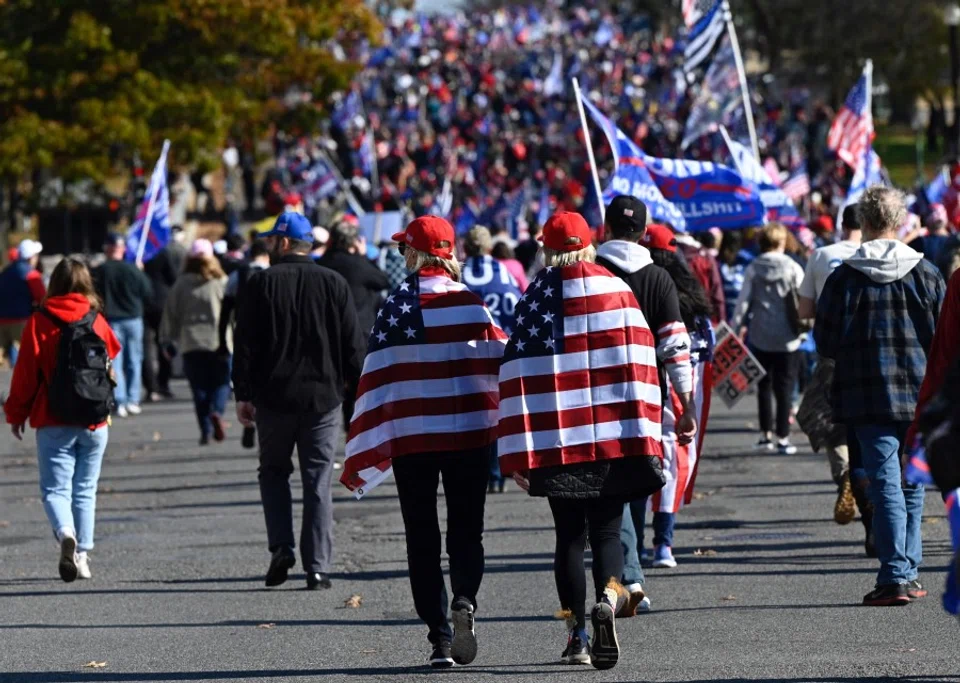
605,649
890,595
464,647
916,590
249,439
577,651
441,657
317,581
281,563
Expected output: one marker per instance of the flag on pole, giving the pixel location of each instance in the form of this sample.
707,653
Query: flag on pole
579,378
429,379
870,173
705,23
543,214
938,187
444,201
152,224
319,182
554,84
852,129
776,201
797,186
719,102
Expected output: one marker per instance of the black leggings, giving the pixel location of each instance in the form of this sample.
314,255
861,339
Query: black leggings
573,519
780,381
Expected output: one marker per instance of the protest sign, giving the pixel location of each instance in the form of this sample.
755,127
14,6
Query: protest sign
735,369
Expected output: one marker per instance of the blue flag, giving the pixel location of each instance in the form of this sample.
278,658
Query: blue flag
719,101
779,206
706,22
158,232
631,176
938,187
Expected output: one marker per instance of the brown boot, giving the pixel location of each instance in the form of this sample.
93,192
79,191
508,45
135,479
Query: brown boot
845,509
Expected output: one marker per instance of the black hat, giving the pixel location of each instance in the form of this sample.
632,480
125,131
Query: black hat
626,215
114,239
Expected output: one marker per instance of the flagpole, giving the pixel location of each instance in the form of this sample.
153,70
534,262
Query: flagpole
586,141
351,200
741,72
151,202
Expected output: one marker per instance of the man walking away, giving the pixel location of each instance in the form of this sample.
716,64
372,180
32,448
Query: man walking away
259,260
22,287
876,319
297,345
162,271
815,415
124,290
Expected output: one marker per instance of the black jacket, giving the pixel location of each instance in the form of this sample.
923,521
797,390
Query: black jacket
123,288
162,271
366,283
297,341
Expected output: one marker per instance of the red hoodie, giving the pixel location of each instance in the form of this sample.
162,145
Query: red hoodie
38,358
944,350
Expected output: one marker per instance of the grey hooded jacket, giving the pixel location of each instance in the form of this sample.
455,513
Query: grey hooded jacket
766,283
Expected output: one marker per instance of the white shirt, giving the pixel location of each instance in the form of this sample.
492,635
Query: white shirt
822,262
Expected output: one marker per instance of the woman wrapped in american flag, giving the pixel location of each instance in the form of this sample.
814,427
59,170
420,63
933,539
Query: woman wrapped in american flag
580,408
427,405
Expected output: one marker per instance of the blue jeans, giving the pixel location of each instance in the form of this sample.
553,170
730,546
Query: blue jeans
898,507
631,536
70,459
128,365
209,377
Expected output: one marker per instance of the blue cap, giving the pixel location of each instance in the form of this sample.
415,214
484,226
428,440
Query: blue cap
293,225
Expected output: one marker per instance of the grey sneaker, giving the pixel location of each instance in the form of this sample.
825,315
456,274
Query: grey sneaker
464,646
83,566
68,559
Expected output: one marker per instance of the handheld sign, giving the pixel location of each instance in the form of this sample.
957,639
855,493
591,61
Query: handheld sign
735,369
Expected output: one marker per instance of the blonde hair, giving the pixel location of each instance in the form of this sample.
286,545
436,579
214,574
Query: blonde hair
207,267
418,260
881,210
773,236
552,257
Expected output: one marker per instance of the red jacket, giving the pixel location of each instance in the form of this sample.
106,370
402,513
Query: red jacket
38,358
944,350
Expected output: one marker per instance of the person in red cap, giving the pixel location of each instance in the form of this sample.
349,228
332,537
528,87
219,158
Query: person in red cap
626,254
427,406
580,422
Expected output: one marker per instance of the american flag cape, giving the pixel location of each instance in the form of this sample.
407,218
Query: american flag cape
429,381
579,378
681,463
852,129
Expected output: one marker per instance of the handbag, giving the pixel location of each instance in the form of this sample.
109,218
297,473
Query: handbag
791,302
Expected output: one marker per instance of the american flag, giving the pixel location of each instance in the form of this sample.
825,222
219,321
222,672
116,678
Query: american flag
852,130
680,463
319,182
159,231
797,186
429,381
706,22
579,378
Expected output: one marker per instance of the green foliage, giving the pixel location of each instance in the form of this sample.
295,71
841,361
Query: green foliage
82,79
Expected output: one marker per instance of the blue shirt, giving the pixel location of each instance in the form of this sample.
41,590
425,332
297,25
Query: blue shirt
491,281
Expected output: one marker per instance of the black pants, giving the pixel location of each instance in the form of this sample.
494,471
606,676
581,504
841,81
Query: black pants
574,519
315,437
465,475
781,377
156,368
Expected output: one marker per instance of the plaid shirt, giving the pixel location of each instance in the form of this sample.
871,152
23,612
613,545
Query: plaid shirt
879,334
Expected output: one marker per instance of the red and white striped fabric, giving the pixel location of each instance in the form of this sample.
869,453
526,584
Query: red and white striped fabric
579,378
429,381
852,129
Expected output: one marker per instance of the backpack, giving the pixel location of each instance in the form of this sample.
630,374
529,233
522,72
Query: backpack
80,390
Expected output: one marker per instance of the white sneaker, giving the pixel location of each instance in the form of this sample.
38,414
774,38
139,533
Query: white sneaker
83,566
122,411
134,409
784,447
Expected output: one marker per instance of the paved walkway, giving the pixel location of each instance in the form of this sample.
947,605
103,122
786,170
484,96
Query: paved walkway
767,586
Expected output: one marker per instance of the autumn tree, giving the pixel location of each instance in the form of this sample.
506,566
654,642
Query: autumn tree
84,80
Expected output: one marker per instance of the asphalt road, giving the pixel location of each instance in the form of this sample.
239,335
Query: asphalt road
767,588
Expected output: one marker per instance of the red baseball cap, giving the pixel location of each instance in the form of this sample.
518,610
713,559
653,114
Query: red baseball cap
426,233
563,225
659,237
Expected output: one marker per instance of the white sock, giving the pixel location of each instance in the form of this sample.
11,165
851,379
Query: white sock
634,588
65,532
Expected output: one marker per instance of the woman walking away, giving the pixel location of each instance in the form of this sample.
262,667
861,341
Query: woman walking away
62,383
770,289
427,401
580,422
190,326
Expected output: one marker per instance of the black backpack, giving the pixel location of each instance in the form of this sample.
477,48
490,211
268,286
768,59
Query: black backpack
80,391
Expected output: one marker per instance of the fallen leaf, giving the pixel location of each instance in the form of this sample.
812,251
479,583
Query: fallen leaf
94,665
156,436
4,524
709,552
931,520
729,598
354,601
368,652
266,626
